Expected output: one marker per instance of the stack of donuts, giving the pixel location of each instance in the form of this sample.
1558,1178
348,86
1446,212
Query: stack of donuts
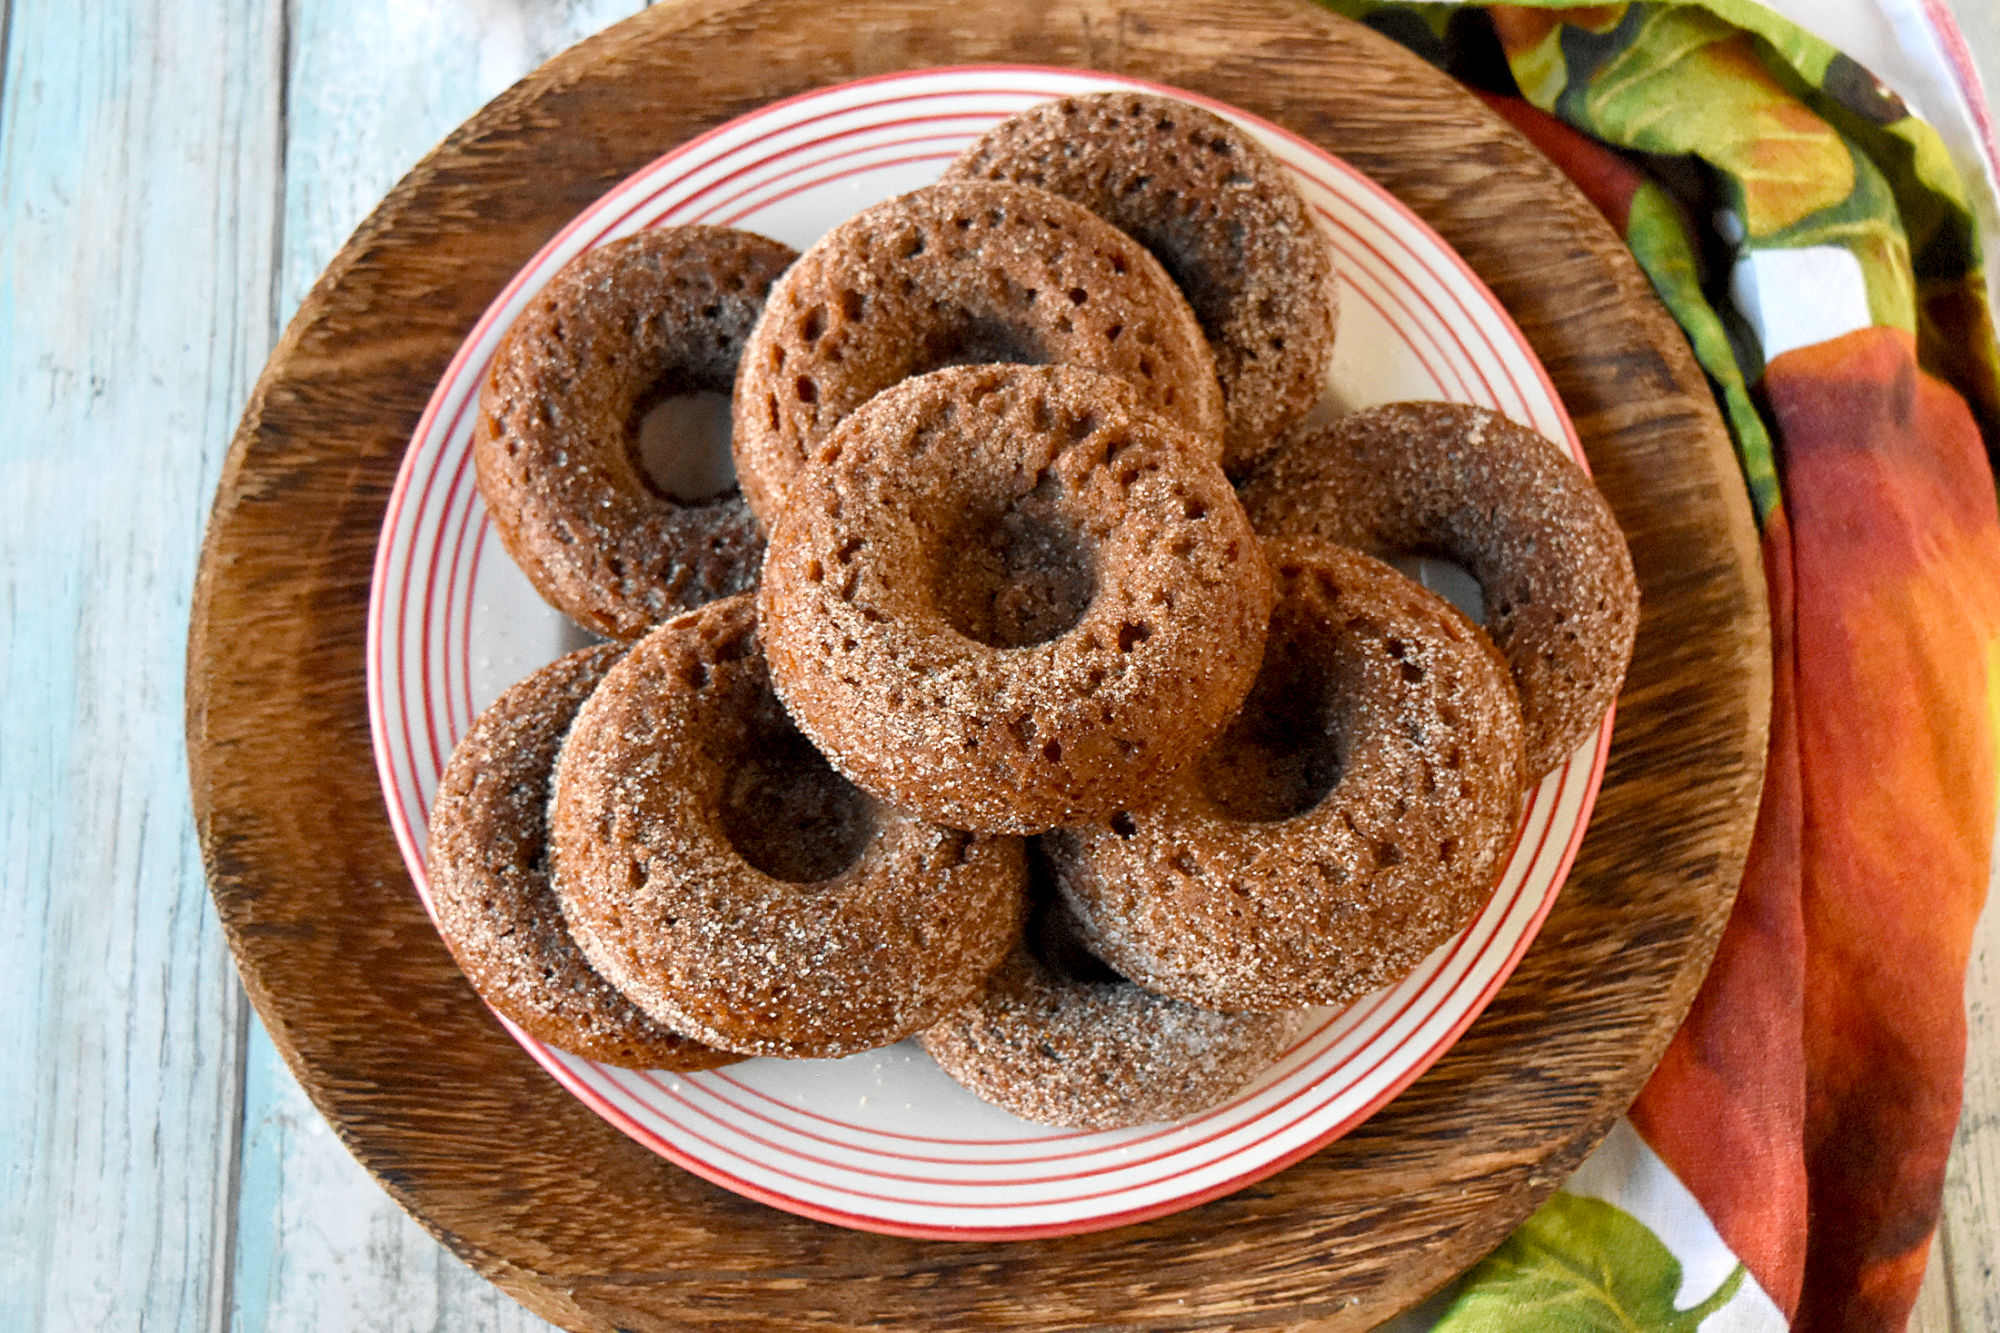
1040,691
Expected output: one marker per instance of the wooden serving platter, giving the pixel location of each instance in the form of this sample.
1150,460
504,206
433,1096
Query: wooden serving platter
593,1231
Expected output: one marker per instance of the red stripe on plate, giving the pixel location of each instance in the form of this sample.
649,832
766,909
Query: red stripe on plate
457,684
1446,990
1411,1001
615,1079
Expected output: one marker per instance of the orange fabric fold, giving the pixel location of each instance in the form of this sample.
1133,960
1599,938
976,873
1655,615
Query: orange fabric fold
1897,560
1726,1108
1809,1101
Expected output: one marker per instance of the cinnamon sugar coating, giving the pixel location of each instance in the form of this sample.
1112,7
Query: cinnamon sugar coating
1058,1038
1354,817
959,275
1501,500
1009,598
490,889
618,329
735,887
1220,214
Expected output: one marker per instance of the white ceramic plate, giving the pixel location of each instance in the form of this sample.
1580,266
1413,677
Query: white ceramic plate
884,1141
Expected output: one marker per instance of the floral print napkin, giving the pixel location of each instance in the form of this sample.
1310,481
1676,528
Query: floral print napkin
1786,1162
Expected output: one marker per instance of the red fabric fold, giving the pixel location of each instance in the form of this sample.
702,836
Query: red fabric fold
1897,557
1726,1109
1809,1101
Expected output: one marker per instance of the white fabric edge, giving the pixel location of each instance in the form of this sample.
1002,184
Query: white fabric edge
1898,43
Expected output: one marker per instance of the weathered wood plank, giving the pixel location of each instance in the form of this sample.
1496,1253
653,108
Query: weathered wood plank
1971,1233
373,86
138,163
1971,1254
321,1249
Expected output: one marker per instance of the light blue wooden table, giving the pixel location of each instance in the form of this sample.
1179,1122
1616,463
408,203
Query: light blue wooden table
173,176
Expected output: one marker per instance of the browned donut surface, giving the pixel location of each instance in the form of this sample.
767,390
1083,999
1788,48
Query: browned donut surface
717,870
1504,502
489,880
1008,598
1058,1038
1355,815
1218,212
618,329
959,275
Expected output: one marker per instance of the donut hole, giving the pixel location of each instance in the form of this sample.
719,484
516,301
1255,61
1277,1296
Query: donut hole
1283,753
786,811
1448,579
680,442
1177,243
1054,940
1018,576
969,340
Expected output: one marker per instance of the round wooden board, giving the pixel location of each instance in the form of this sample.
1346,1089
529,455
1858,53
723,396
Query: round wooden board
593,1231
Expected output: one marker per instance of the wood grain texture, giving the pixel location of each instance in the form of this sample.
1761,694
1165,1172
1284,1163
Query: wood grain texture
138,158
1968,1251
321,1249
590,1229
372,86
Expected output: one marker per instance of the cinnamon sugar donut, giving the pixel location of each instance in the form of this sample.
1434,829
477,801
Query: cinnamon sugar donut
1353,818
1007,598
1218,212
617,330
1503,501
959,275
489,880
717,871
1058,1038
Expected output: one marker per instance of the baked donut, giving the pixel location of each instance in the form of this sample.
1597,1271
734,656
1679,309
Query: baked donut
1355,815
617,330
1501,500
959,275
1058,1038
1008,598
489,880
1222,217
719,873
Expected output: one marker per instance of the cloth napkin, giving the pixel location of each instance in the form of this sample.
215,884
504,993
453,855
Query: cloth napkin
1785,1164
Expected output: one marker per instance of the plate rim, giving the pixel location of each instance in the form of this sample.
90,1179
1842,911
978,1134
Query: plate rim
635,193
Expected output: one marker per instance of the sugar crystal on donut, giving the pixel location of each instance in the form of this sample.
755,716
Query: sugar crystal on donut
959,274
1220,214
1507,504
736,889
1059,1038
491,888
1010,598
1354,817
556,443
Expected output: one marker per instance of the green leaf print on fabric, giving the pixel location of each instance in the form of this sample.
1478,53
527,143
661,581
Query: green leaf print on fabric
1679,81
1560,51
1807,148
1930,195
1580,1265
1867,224
1660,242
